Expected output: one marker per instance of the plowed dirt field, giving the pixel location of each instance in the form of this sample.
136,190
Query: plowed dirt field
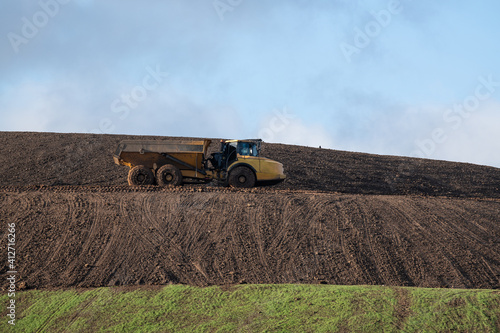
339,218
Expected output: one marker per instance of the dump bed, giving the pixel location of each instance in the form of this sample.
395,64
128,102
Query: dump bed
186,155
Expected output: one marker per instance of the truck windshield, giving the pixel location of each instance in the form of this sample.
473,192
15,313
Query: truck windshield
247,149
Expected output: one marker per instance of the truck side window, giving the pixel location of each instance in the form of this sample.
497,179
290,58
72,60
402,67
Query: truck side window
231,152
244,148
253,150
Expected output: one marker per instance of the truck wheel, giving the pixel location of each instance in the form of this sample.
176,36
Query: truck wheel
140,175
242,177
169,175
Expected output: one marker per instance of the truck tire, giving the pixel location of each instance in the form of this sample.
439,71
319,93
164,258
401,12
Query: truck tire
169,175
242,177
140,175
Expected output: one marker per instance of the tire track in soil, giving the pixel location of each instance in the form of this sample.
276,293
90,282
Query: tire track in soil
14,208
222,264
224,223
39,258
388,245
256,218
74,206
350,231
455,249
421,239
91,238
158,237
196,240
233,225
284,236
288,234
339,225
325,241
311,256
479,244
267,245
121,238
327,245
60,264
367,257
367,233
449,249
459,241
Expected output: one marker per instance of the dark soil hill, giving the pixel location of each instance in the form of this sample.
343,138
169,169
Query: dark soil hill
340,217
86,159
87,237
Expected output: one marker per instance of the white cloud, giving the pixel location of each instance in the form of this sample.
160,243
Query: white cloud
29,106
283,126
476,140
51,106
435,132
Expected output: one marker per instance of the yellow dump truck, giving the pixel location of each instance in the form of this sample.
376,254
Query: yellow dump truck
165,163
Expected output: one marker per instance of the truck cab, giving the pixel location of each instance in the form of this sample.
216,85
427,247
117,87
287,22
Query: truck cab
242,164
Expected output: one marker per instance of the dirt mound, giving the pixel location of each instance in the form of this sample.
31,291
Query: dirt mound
340,218
86,159
85,237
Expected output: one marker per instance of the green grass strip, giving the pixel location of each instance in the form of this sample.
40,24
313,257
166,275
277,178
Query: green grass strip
255,308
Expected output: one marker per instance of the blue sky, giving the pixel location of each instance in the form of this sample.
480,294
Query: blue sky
412,78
